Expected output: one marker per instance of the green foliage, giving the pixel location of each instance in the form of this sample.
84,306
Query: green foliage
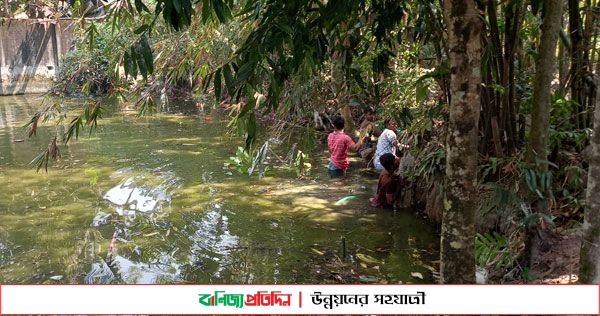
89,117
575,138
508,199
532,219
85,70
292,37
491,167
307,138
92,175
91,113
42,159
242,161
537,181
503,201
246,162
301,164
177,13
138,59
496,250
431,163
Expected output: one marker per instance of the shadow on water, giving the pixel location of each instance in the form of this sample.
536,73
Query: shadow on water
149,200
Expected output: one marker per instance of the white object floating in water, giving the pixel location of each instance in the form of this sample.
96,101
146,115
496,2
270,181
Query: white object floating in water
345,200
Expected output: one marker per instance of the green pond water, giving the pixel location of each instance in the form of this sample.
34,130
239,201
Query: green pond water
151,200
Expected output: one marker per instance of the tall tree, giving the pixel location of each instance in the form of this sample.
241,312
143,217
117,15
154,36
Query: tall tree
464,25
540,114
589,262
578,65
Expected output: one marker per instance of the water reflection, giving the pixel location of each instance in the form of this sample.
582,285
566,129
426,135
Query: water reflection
123,270
146,195
130,195
213,240
163,270
5,254
100,273
101,218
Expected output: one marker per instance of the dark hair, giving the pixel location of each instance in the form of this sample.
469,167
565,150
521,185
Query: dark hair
338,122
387,161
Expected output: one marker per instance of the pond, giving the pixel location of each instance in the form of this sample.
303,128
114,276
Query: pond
152,200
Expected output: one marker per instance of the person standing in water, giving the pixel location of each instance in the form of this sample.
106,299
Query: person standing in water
388,184
339,144
386,144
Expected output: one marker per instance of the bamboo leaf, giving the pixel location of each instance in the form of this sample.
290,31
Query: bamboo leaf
222,11
74,128
146,53
206,10
141,29
243,74
250,130
207,81
128,63
134,59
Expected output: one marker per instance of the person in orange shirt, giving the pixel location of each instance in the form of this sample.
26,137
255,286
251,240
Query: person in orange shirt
339,144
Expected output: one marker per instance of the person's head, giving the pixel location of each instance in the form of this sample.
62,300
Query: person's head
338,123
390,123
388,161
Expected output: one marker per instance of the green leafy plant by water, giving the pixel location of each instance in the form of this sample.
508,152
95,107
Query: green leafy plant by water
493,249
301,164
92,175
242,160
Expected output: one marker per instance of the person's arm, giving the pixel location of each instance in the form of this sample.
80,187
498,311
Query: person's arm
356,146
392,139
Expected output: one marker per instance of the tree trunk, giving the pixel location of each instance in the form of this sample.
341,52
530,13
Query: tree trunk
589,33
457,252
512,21
589,262
545,64
540,114
577,63
563,49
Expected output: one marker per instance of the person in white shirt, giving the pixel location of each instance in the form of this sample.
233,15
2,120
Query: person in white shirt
386,143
